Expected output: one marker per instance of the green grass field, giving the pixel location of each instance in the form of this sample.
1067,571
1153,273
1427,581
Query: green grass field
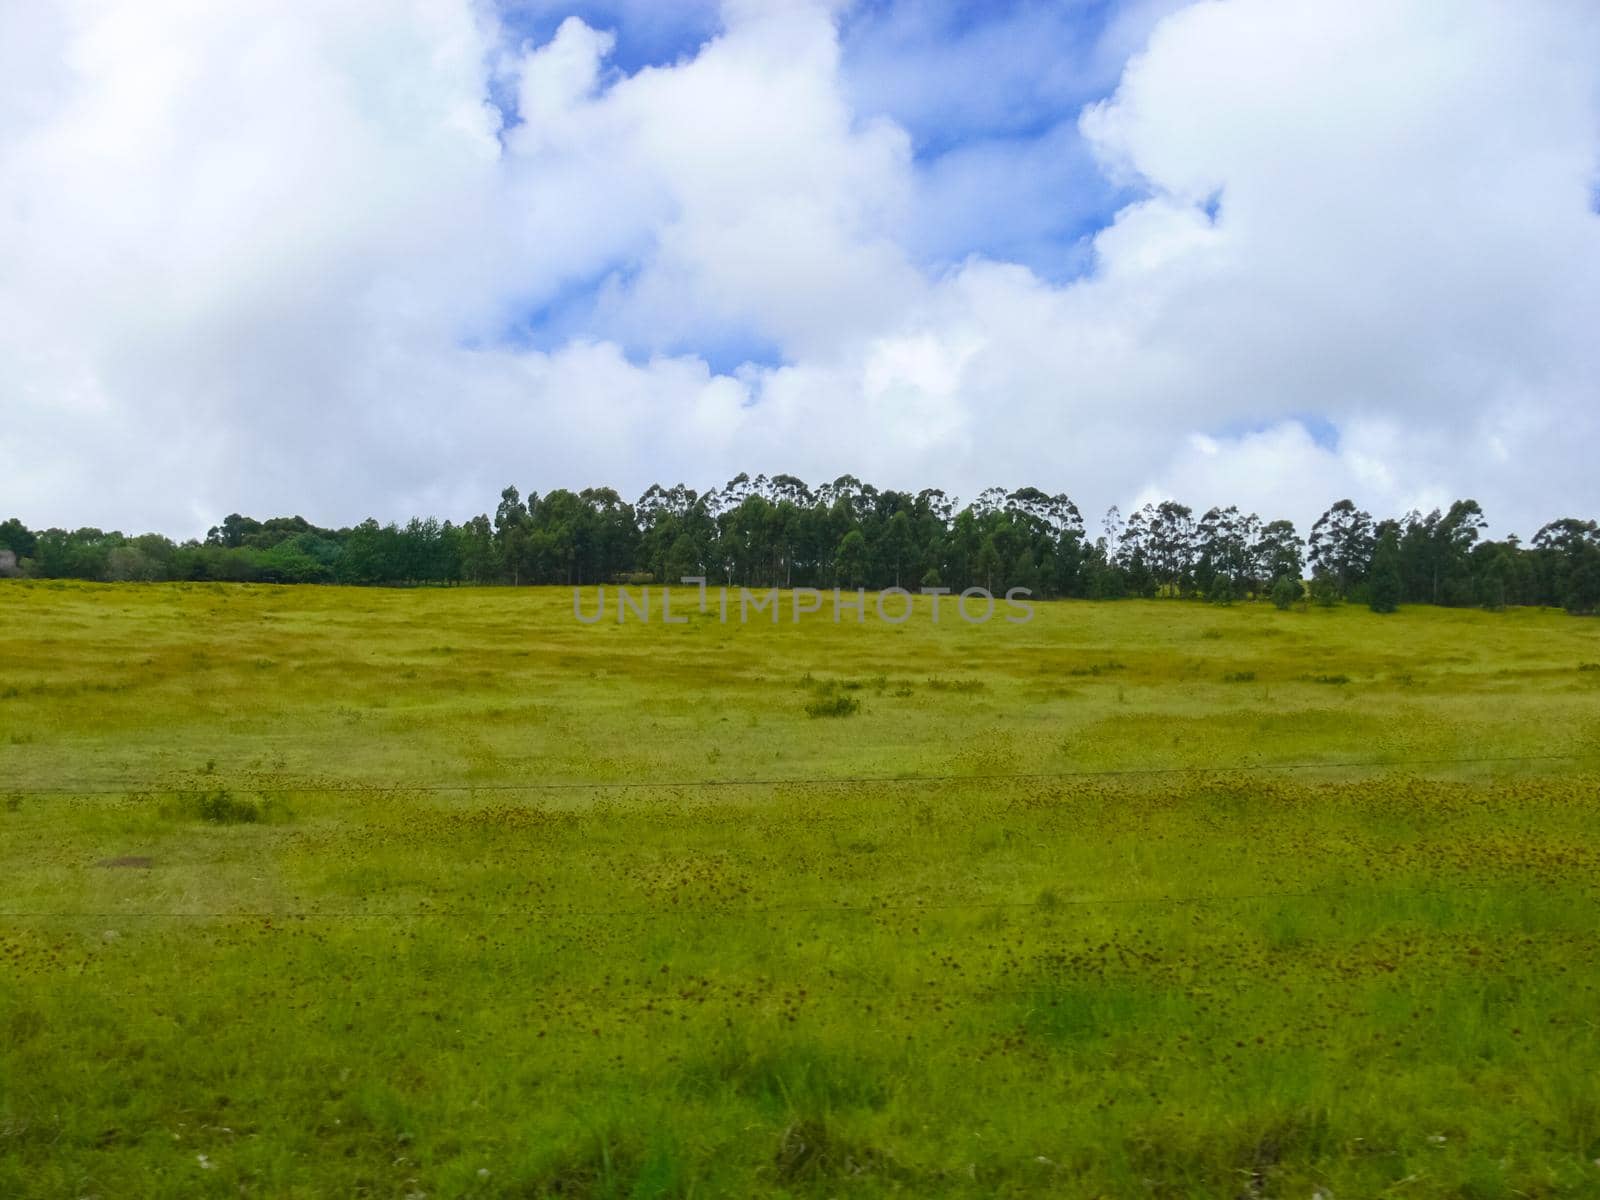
323,892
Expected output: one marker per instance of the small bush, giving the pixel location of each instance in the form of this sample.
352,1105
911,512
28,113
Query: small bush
833,706
956,685
1239,677
828,686
1285,593
1098,669
1336,680
1589,666
221,807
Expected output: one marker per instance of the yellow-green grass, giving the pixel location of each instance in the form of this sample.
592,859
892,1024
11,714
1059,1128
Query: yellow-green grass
441,892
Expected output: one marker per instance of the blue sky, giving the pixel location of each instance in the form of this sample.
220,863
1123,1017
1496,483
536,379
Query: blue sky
988,93
648,34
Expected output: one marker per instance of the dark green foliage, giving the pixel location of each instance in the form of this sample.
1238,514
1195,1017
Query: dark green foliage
851,559
780,532
16,537
1385,586
1341,546
834,705
1582,591
1324,589
222,807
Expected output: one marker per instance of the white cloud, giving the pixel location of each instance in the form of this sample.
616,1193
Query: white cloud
556,77
772,209
259,256
1405,240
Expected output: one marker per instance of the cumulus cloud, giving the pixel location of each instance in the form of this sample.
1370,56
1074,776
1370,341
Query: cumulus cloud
274,258
1405,237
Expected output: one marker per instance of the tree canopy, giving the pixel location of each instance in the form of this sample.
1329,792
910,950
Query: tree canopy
781,532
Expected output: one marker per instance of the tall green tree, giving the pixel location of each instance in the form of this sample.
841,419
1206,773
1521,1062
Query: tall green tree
17,537
1341,545
1385,586
851,559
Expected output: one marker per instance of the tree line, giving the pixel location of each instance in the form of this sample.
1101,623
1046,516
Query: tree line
780,532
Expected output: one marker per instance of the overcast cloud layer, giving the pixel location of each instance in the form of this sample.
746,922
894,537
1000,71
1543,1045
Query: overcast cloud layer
385,256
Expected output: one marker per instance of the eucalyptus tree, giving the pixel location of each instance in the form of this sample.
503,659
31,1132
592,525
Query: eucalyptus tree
475,550
1385,585
851,559
1341,545
1275,554
608,534
1222,545
1567,564
1170,537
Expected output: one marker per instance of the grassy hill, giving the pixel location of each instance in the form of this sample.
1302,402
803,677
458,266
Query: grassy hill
316,891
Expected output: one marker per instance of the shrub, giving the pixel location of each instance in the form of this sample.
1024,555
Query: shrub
1285,592
1239,677
221,807
833,706
1098,669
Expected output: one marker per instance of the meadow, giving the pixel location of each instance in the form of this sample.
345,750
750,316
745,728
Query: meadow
314,891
